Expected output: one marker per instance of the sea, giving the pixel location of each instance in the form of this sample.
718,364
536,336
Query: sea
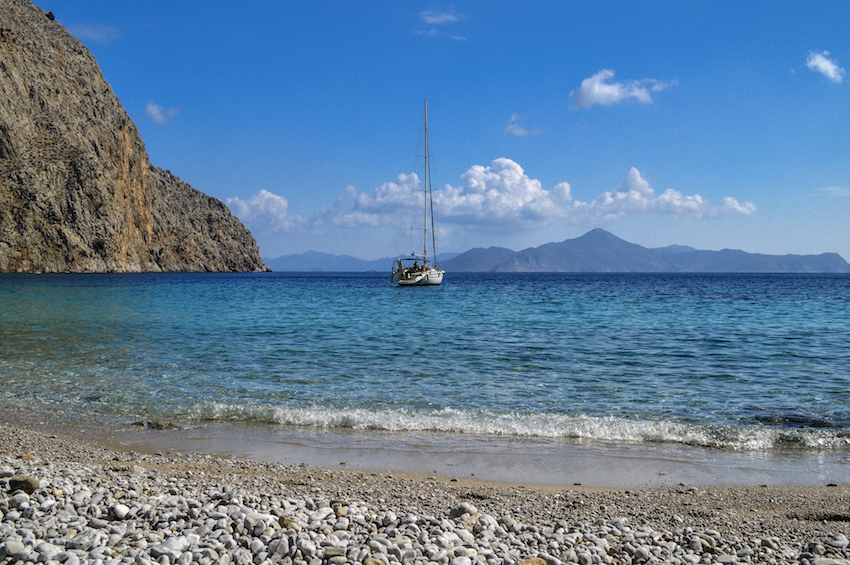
595,379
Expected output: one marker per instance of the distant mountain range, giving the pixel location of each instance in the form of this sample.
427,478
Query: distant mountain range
597,251
325,262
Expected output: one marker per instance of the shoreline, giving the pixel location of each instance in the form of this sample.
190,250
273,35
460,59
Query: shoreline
531,462
759,524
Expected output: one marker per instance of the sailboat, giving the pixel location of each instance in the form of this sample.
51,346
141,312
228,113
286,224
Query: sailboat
415,269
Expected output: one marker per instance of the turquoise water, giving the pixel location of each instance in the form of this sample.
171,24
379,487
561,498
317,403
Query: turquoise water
744,362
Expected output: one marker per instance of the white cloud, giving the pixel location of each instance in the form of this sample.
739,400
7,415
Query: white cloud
597,90
159,115
821,63
500,197
434,18
98,33
265,211
636,196
380,208
513,128
501,194
835,190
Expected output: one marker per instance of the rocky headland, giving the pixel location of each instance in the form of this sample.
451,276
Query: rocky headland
77,190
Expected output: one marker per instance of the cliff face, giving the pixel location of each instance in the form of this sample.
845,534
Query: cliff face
77,190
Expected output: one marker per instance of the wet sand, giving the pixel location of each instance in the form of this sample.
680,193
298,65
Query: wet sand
505,460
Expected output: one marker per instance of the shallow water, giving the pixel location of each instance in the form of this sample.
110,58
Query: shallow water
753,363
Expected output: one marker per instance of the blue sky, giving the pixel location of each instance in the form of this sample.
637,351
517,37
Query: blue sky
713,124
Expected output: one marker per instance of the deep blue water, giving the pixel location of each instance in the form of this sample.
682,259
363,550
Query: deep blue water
753,362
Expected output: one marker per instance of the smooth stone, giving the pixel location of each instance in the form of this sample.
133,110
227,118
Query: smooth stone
13,547
25,483
549,559
20,499
13,516
816,548
47,550
209,553
307,547
279,547
461,509
120,511
177,543
289,523
257,546
321,514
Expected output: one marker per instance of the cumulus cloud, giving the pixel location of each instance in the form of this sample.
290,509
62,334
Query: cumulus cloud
821,63
501,193
501,197
513,128
379,208
97,33
636,196
597,90
159,115
504,194
265,211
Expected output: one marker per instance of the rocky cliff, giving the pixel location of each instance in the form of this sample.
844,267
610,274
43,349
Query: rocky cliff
77,190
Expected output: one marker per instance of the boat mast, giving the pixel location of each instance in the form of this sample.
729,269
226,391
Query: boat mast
429,199
426,189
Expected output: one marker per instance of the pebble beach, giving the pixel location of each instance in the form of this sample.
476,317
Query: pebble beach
63,500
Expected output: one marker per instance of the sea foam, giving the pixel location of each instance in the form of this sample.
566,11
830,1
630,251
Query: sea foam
516,424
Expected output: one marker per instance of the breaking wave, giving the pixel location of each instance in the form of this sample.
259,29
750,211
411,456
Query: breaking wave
609,428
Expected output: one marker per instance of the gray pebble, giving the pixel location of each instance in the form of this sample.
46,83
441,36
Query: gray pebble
121,513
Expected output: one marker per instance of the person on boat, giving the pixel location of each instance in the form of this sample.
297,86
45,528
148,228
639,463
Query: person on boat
415,266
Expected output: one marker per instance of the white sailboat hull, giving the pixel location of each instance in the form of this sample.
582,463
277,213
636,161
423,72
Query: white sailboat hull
429,277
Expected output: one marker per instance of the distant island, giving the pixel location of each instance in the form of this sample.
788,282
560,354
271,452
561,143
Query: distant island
597,251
